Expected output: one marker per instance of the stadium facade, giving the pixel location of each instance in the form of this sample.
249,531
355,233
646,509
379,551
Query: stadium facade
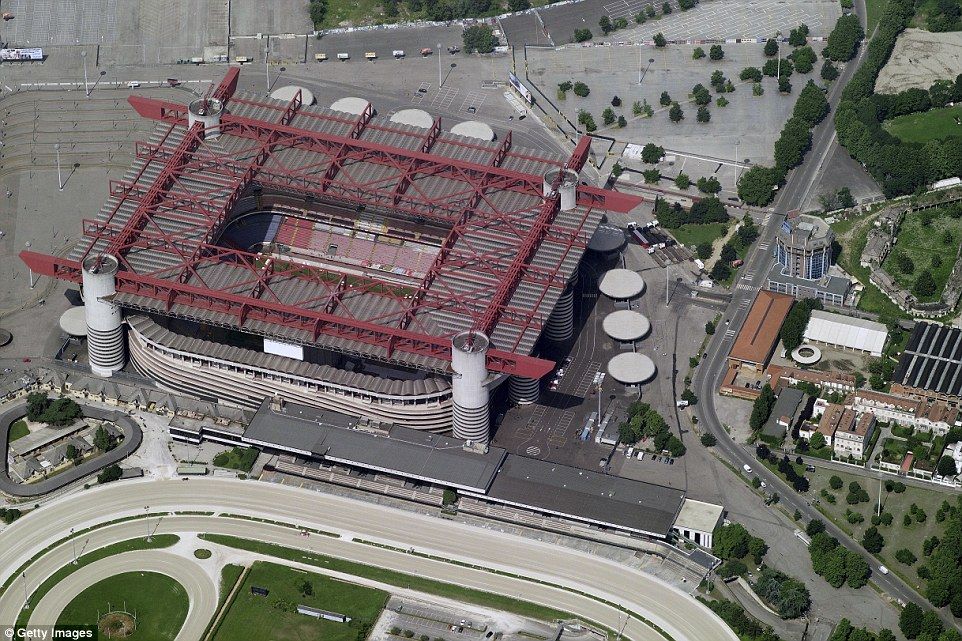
264,248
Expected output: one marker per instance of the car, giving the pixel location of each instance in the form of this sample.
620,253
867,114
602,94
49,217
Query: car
764,485
472,110
671,461
7,370
561,372
747,468
26,360
883,569
809,468
422,90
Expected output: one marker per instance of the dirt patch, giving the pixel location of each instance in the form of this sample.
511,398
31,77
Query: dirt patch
919,59
117,625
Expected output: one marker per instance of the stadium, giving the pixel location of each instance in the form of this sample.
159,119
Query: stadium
379,267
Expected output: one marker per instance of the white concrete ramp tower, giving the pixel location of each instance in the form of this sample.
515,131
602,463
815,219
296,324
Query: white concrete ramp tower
468,390
105,335
208,112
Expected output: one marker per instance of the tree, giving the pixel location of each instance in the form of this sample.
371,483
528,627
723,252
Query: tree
318,11
608,116
784,86
72,452
872,540
814,527
835,482
305,587
703,114
708,440
728,253
480,38
689,396
757,89
804,59
660,40
771,47
730,541
722,101
946,466
652,153
682,180
704,250
924,284
720,271
665,8
652,176
715,52
37,403
856,570
701,95
640,17
829,71
817,442
103,440
762,407
665,99
622,122
811,105
109,473
709,185
519,5
910,620
698,53
905,555
605,24
583,35
675,114
797,38
756,186
844,39
565,86
751,73
581,89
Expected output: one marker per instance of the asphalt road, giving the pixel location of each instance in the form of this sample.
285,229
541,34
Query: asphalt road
708,377
676,612
200,588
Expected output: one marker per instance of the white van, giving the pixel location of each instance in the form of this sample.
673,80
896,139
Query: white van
398,53
343,56
681,403
883,569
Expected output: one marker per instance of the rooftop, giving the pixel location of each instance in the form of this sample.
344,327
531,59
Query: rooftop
698,515
509,251
759,334
847,331
599,498
626,325
631,368
932,359
394,450
789,403
621,284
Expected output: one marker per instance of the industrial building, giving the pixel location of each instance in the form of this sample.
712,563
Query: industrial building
803,256
381,267
931,364
846,332
759,333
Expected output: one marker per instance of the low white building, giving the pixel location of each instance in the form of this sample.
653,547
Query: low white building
697,521
845,332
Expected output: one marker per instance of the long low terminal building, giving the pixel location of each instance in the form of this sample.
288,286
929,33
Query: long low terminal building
326,439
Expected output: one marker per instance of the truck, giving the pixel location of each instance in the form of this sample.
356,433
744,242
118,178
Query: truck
398,53
343,56
320,57
427,51
371,55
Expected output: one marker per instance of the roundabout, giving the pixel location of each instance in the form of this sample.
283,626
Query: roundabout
33,549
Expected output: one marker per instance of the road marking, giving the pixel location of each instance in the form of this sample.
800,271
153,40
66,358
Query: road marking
730,333
534,450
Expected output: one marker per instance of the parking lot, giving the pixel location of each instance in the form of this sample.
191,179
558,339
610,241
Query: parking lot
746,128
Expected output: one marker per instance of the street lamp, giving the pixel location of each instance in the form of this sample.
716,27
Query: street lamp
778,68
83,56
149,538
439,65
641,74
59,178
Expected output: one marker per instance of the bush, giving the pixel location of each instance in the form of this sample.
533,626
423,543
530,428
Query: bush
109,474
682,181
581,89
698,53
716,52
479,38
703,114
709,185
708,440
835,482
660,40
583,35
751,73
905,555
665,99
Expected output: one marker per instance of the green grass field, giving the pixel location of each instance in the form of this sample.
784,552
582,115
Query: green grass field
694,234
872,299
392,577
875,8
275,616
157,542
18,430
159,602
920,243
237,458
896,535
934,124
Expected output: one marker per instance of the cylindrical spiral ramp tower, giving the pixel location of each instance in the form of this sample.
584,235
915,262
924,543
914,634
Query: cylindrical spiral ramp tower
468,390
208,112
561,323
568,187
105,334
523,391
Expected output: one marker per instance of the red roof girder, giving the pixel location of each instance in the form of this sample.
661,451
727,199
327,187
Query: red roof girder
316,322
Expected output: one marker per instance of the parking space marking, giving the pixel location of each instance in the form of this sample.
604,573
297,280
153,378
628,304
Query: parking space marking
564,422
420,93
587,378
444,97
473,99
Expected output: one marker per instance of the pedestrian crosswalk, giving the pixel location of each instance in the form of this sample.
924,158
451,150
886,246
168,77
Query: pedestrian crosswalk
730,333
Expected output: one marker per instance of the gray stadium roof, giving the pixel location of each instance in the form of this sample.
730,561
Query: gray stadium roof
74,322
591,496
631,368
621,284
626,325
400,451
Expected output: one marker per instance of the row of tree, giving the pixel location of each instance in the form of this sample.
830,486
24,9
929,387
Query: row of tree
787,595
706,210
837,564
757,185
793,327
59,412
845,38
744,236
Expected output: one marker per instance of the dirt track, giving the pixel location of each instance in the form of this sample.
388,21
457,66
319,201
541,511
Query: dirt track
920,58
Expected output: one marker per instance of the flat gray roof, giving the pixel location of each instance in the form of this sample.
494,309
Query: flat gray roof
401,451
585,495
828,283
787,404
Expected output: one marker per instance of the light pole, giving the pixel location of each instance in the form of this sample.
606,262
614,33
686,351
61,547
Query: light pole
642,74
666,285
83,56
778,68
26,598
439,65
59,179
146,508
267,69
73,544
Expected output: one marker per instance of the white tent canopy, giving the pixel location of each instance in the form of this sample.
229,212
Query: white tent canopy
846,332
